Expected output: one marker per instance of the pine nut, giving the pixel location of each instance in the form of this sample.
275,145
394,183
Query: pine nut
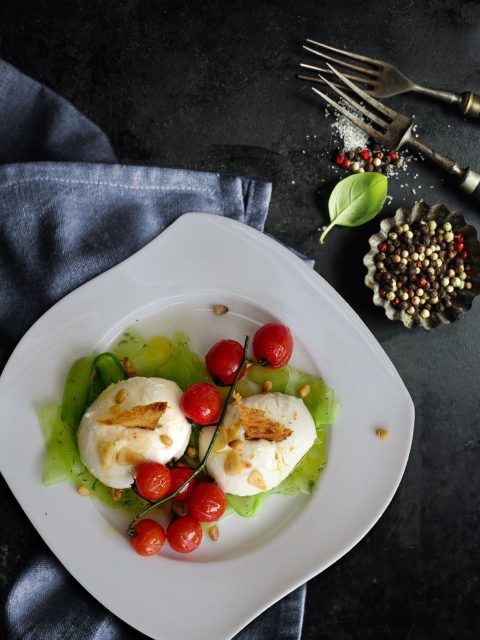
383,434
213,533
256,479
127,365
116,494
236,444
220,309
304,391
192,452
121,395
83,490
167,441
267,386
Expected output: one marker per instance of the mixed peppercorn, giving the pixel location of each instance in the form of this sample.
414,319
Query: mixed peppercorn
422,267
360,160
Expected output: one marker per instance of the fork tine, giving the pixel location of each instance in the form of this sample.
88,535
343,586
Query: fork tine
313,79
376,104
348,65
351,54
330,72
371,116
374,133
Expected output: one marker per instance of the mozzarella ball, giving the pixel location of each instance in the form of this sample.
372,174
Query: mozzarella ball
112,453
246,467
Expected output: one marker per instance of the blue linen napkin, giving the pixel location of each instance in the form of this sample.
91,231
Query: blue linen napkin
68,212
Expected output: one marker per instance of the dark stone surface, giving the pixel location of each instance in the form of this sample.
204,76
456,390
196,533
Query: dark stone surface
211,86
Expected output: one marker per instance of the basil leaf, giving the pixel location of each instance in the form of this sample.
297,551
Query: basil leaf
356,200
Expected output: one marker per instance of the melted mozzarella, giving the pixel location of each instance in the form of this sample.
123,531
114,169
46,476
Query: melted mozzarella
112,453
237,470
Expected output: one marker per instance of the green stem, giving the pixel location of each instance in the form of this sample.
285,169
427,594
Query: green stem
332,224
201,466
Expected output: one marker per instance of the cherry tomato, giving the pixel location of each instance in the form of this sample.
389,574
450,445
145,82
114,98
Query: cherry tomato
153,480
202,403
207,502
273,344
223,361
149,537
184,534
179,474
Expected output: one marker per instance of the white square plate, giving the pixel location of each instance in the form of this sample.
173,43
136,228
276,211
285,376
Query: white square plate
170,285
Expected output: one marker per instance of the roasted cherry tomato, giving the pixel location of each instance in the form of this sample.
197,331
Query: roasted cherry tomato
223,361
202,403
207,502
181,472
149,537
153,480
184,534
273,344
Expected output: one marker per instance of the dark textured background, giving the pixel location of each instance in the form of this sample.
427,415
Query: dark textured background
211,86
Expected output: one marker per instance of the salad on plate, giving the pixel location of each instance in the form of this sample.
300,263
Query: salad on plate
180,441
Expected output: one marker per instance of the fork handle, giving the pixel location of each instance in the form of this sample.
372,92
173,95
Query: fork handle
471,183
469,179
470,104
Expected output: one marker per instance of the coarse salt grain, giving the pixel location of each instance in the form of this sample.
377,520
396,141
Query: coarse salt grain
351,136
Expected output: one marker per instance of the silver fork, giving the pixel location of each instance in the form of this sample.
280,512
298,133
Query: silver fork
383,80
391,129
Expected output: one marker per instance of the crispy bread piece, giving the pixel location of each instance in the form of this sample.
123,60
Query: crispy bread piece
143,416
257,426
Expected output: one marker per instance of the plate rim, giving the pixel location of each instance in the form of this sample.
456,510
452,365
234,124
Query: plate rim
314,279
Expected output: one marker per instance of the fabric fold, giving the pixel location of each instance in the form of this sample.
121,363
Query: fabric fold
68,212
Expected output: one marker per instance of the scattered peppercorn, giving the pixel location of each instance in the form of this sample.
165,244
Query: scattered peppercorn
359,160
417,284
